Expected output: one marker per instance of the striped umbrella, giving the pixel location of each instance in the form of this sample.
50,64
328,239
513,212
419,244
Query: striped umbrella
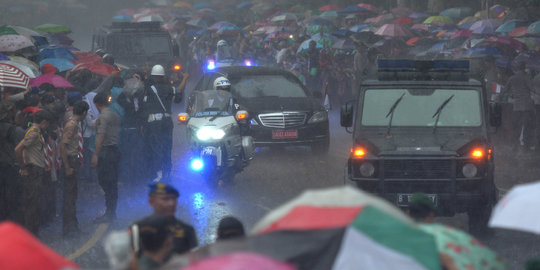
11,76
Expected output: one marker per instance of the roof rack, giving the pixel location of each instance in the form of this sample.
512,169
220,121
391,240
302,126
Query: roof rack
422,70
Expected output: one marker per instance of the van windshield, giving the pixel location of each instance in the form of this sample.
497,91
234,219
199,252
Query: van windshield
140,45
419,106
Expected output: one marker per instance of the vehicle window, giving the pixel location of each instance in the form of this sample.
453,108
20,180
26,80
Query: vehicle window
126,45
211,102
418,107
256,86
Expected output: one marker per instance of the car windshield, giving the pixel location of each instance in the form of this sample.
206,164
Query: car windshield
259,86
211,103
146,45
419,107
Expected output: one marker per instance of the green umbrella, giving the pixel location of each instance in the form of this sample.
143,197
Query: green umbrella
329,14
440,19
6,30
314,29
457,13
52,28
465,251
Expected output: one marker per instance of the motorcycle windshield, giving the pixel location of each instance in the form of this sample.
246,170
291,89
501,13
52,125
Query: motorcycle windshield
211,103
223,53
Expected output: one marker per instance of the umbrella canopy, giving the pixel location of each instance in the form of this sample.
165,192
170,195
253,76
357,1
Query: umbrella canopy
402,11
11,76
534,28
329,14
483,51
52,28
382,19
420,27
438,20
457,13
305,45
508,26
97,68
465,251
461,33
278,35
56,80
55,53
12,43
284,17
201,5
368,7
344,44
30,71
403,20
197,22
183,4
218,25
519,31
229,30
393,30
328,8
21,250
60,64
326,39
514,210
122,18
352,9
24,31
485,26
419,15
240,260
86,57
150,18
59,39
362,27
32,65
6,30
3,57
513,43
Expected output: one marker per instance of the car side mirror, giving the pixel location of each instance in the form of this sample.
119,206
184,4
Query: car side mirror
346,115
495,114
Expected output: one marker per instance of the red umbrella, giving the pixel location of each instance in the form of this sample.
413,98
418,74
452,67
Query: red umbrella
21,250
393,30
519,31
86,57
367,6
240,260
11,76
328,8
412,41
403,20
98,68
462,33
420,27
507,41
55,80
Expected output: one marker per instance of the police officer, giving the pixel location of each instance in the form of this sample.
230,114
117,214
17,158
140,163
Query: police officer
158,125
106,155
32,154
10,186
71,151
156,240
164,198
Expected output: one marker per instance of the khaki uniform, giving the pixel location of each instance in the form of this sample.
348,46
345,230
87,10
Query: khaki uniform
70,140
108,123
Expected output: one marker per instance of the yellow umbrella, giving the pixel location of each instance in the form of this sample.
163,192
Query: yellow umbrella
440,19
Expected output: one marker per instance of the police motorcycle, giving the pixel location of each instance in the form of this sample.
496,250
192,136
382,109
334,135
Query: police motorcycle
224,58
214,130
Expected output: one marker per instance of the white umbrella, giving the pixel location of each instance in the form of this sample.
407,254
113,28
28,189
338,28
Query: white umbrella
28,70
150,18
284,17
517,209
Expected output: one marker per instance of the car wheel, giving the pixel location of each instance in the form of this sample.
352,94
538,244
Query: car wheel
321,148
479,217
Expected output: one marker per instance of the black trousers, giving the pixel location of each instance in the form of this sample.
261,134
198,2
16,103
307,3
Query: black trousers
107,170
158,136
524,121
69,218
33,184
11,190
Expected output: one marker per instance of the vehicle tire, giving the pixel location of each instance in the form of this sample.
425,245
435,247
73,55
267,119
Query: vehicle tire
479,216
321,148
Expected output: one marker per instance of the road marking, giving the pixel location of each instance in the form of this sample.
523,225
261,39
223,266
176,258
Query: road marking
98,234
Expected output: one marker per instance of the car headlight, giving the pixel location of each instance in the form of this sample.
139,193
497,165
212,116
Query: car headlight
367,169
469,170
205,134
318,117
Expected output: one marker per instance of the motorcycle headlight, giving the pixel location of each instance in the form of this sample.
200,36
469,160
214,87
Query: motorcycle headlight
205,134
318,117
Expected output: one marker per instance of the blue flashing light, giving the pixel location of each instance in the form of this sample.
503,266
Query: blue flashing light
211,65
247,63
197,164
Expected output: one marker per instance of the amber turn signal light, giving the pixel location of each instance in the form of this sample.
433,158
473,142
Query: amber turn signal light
183,117
358,152
177,67
478,153
241,116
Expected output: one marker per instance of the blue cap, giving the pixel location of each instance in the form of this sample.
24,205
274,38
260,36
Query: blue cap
162,188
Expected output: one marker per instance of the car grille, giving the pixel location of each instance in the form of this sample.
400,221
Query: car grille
282,120
417,169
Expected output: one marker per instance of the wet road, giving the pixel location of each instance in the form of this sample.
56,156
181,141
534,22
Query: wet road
273,177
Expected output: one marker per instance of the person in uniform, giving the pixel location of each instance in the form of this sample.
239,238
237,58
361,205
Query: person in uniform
156,240
156,113
10,185
230,228
106,155
31,152
71,151
163,198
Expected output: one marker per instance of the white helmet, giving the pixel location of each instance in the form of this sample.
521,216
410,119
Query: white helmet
221,43
222,83
158,70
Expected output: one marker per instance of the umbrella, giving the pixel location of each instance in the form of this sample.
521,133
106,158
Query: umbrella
11,76
150,18
278,35
461,33
513,43
29,71
12,43
183,4
320,21
508,26
438,20
519,31
305,45
329,14
31,64
21,250
328,8
197,22
342,33
326,39
314,29
457,13
360,27
122,18
420,27
530,42
483,51
498,9
229,30
485,26
368,7
55,53
218,25
243,5
126,11
401,11
534,28
3,57
284,17
344,44
403,20
60,64
239,260
419,15
352,9
59,39
201,5
465,251
52,28
393,30
86,57
514,210
24,31
97,68
6,30
382,19
56,80
468,20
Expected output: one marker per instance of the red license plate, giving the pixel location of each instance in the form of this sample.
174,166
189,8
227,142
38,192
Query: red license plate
284,134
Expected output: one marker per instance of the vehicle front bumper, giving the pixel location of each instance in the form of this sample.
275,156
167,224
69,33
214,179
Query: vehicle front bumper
308,134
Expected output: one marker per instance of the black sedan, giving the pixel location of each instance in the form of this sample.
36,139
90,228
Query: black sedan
282,111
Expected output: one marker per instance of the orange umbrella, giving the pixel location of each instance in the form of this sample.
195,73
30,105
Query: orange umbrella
519,31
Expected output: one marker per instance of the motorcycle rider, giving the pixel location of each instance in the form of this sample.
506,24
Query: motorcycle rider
223,51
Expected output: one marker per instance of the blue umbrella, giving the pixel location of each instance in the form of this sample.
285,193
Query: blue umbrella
243,5
202,5
509,26
305,46
228,29
59,63
55,53
419,15
319,21
466,25
122,18
482,51
534,28
342,33
3,57
352,9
